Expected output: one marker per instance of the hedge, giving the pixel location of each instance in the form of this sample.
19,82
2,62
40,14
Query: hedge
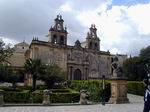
64,97
92,86
136,87
37,96
57,96
17,96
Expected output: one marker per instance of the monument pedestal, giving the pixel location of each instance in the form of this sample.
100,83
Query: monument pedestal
118,91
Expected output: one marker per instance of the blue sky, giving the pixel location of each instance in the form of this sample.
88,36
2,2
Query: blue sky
122,25
129,2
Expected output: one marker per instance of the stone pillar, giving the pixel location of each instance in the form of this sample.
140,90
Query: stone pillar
118,83
118,91
46,97
1,98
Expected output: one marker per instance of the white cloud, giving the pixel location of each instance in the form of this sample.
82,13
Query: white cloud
140,15
120,28
66,7
9,41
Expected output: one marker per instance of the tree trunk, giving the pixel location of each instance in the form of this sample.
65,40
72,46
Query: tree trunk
34,82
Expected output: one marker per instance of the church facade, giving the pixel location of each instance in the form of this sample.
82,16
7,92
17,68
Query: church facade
81,61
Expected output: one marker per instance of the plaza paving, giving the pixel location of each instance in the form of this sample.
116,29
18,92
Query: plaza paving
135,105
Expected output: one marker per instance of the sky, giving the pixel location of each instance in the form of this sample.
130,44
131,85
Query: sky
123,26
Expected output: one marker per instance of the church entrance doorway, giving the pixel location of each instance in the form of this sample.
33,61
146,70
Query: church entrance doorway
77,74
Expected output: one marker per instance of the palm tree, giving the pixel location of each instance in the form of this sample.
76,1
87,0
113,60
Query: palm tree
35,68
53,74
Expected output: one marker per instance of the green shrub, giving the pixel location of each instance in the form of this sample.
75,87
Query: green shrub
37,96
57,96
60,90
136,87
92,86
17,96
24,87
59,86
11,89
64,97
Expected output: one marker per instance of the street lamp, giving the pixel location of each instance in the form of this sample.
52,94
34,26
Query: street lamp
103,89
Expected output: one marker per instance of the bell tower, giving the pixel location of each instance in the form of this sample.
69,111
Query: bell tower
58,33
92,41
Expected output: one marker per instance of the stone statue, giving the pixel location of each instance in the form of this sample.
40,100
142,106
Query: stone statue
46,97
117,69
84,96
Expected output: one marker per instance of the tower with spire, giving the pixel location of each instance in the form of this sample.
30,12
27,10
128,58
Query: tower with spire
92,40
58,33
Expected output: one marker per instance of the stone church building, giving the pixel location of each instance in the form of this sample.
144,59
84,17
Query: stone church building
81,61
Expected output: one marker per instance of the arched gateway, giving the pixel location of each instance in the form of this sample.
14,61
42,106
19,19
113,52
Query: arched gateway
77,74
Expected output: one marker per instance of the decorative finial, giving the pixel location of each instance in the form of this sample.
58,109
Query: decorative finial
88,33
65,28
60,17
57,16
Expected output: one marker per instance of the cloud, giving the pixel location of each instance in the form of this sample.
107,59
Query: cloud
122,29
7,41
66,7
27,18
140,15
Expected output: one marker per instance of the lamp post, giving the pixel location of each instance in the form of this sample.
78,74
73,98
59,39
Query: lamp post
103,89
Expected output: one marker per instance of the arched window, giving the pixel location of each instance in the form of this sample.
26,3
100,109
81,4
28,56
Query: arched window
90,46
70,72
77,74
61,39
54,39
59,27
95,46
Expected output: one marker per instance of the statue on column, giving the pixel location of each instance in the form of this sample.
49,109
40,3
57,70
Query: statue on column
117,69
118,84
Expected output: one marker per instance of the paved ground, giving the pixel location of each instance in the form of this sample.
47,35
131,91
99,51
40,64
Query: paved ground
136,105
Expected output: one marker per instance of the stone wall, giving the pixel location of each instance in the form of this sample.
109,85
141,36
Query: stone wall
17,59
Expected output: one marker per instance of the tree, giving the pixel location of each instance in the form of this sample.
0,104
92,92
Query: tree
35,68
145,55
13,78
53,74
8,75
134,68
5,52
3,73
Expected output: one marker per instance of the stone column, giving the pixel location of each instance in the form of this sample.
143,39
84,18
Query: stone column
46,97
1,98
118,84
118,91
